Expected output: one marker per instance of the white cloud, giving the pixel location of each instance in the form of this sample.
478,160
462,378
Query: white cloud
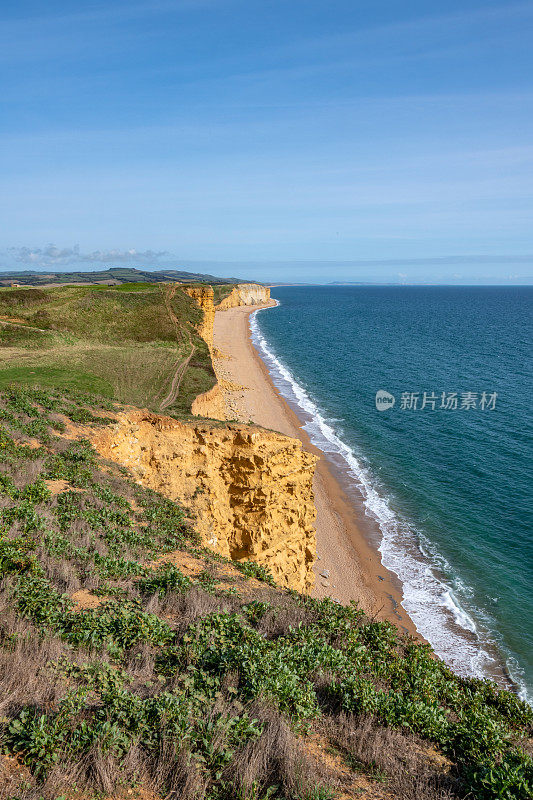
51,256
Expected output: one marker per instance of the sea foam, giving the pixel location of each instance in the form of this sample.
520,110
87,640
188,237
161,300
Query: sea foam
431,603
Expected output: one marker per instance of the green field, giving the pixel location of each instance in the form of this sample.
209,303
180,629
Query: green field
125,342
119,274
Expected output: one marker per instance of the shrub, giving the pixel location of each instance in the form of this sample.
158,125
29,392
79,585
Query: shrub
253,570
165,579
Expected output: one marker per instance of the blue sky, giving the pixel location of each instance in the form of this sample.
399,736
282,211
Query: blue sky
281,139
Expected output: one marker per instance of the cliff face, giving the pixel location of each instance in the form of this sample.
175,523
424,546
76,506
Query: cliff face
211,403
250,489
245,294
204,297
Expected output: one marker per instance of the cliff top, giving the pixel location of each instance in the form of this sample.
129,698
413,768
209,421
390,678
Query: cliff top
137,343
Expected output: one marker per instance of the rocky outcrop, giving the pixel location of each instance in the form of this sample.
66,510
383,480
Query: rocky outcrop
210,404
245,294
250,489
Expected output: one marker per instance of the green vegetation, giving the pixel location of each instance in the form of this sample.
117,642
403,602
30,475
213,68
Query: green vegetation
57,378
221,291
119,274
253,570
127,342
161,679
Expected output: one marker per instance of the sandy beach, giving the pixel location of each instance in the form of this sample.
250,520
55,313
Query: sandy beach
348,567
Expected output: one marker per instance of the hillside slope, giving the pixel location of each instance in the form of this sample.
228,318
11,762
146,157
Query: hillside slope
134,663
136,343
113,275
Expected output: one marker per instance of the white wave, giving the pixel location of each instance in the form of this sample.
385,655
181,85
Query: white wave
432,605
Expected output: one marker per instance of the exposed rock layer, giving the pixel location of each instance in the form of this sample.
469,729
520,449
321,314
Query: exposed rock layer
210,404
245,294
250,489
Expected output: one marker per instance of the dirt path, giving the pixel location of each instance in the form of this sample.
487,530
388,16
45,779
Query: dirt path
168,294
175,386
22,325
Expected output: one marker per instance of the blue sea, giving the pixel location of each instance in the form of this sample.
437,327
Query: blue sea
444,474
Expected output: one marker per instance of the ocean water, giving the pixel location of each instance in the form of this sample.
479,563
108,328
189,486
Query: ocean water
446,491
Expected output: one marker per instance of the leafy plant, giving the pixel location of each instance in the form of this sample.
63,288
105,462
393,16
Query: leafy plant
253,570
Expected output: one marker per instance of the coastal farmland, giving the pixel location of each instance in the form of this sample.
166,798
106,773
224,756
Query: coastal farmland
127,342
112,276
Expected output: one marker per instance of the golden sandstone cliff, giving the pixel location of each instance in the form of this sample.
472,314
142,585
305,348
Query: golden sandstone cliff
211,403
245,294
249,489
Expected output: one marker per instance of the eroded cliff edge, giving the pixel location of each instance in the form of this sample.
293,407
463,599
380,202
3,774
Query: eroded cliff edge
250,489
245,294
204,296
211,403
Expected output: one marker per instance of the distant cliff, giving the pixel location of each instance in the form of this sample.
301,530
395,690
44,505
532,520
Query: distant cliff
211,404
245,294
204,297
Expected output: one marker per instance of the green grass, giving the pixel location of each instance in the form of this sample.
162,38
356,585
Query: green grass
221,291
119,341
131,287
56,378
20,336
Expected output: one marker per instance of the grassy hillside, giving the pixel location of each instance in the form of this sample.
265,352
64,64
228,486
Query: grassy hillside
221,291
135,342
134,664
119,274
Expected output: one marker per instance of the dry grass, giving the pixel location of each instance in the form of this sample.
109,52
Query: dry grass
276,758
25,678
411,772
185,609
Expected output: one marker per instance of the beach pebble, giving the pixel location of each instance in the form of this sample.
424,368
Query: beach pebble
325,583
325,574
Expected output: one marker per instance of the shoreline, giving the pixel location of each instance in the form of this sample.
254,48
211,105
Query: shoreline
352,565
